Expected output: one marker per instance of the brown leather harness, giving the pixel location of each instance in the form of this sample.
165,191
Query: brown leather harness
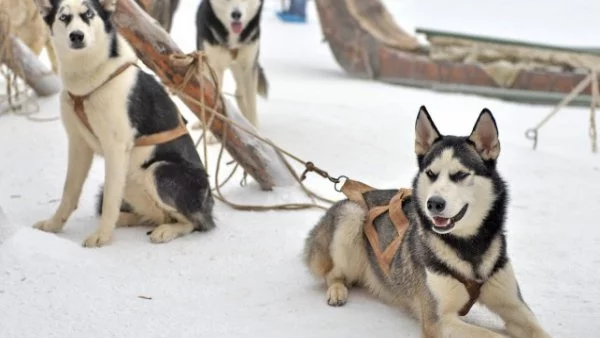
354,190
144,140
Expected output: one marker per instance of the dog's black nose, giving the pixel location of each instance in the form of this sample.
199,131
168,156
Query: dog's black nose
76,36
436,204
236,15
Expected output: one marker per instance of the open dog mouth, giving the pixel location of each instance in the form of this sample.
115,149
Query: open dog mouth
444,225
237,27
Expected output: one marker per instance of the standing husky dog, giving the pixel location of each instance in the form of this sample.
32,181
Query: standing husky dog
454,240
153,173
229,34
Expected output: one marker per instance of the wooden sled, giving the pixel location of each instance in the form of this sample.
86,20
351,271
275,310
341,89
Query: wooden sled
367,43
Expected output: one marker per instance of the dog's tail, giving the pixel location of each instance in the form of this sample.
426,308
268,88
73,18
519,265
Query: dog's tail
263,84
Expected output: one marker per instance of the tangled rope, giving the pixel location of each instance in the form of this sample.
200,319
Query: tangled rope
196,64
19,99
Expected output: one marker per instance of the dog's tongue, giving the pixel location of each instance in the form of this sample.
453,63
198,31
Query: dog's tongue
441,222
236,27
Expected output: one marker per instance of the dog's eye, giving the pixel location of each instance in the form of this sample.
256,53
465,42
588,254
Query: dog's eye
63,17
459,176
432,176
89,14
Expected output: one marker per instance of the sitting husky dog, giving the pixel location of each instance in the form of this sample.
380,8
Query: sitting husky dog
454,239
153,173
228,31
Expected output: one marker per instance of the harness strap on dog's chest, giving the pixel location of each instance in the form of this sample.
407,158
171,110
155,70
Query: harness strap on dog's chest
473,289
234,53
79,111
354,191
164,136
145,140
78,99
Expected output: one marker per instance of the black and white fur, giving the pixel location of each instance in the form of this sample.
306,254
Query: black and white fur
225,25
165,185
456,231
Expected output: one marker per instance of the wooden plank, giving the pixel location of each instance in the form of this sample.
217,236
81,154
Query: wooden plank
510,42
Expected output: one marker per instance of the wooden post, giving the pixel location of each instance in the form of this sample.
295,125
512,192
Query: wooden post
154,47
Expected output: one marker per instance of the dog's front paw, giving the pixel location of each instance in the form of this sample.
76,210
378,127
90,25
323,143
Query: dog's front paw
337,294
162,234
97,239
48,225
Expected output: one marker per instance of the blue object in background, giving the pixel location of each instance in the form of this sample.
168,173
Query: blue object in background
296,13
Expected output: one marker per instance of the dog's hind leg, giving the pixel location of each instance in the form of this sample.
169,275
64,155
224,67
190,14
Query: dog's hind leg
127,217
335,250
241,90
501,294
184,189
169,231
79,162
262,83
251,85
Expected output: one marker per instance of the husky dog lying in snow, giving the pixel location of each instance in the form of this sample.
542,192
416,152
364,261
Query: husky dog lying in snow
153,173
453,252
228,31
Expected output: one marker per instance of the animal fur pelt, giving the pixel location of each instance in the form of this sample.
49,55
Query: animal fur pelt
161,10
28,25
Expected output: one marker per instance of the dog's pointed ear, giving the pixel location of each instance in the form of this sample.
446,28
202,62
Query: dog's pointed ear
485,136
109,5
44,7
426,133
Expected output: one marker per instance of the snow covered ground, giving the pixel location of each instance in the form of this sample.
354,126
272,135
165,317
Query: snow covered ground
246,278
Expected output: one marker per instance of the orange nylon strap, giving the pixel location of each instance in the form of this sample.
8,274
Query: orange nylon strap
79,111
354,190
400,223
373,237
162,137
145,140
